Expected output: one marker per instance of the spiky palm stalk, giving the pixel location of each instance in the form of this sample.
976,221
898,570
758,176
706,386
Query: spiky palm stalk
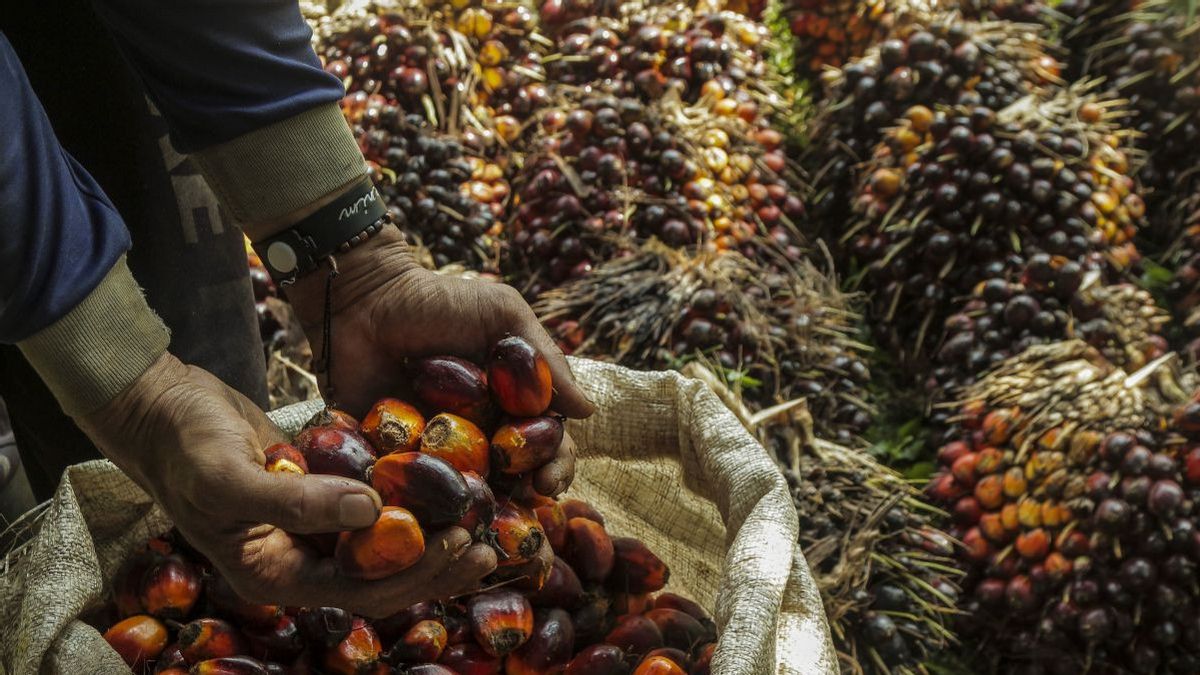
1073,485
930,61
776,335
884,571
1015,208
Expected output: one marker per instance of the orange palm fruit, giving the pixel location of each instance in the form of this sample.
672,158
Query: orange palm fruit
501,621
562,588
127,585
138,639
658,665
678,656
226,601
548,649
526,444
635,634
458,441
432,490
230,665
359,653
598,660
702,664
469,658
554,522
1034,544
575,508
393,544
680,630
516,534
284,457
391,629
172,670
989,490
393,426
635,567
479,516
589,549
519,378
423,643
171,588
208,638
334,419
451,384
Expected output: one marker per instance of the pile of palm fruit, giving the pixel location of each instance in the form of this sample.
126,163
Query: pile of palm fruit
981,213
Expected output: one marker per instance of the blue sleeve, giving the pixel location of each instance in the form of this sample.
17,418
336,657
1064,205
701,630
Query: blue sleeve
59,234
218,69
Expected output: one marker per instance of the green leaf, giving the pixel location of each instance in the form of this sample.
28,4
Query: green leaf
920,470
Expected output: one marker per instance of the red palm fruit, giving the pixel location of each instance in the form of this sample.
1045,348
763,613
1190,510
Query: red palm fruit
127,585
393,426
658,665
526,444
519,378
423,643
170,657
944,489
632,603
677,655
469,658
967,510
481,513
635,567
359,653
435,492
516,534
1191,463
171,588
138,639
976,545
458,441
206,638
285,458
458,625
334,419
281,642
554,522
336,452
575,508
990,491
393,544
562,588
598,660
702,664
950,452
453,385
679,630
963,468
500,620
325,626
593,620
635,634
688,606
226,601
230,665
548,649
392,628
589,549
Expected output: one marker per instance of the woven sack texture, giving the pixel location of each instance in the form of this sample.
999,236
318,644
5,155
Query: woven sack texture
662,459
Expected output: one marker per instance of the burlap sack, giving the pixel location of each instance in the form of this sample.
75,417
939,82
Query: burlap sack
662,459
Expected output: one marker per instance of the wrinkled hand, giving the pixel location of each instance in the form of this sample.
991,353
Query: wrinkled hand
388,309
196,446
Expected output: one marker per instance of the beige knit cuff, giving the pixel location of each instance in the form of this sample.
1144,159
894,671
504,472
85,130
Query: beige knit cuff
273,171
100,347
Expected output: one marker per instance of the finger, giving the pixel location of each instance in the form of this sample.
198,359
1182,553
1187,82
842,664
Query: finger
554,478
569,399
466,574
306,504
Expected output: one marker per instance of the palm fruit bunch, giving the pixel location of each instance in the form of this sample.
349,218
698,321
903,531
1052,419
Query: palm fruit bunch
1073,486
969,201
930,62
884,569
828,33
1021,11
653,49
446,200
774,335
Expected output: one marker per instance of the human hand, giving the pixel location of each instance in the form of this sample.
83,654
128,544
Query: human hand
387,309
196,446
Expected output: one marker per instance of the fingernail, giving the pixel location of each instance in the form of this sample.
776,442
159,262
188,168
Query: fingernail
356,510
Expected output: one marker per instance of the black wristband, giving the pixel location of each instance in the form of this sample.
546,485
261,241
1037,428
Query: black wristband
346,220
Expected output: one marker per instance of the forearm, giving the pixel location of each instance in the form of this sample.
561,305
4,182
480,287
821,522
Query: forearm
66,297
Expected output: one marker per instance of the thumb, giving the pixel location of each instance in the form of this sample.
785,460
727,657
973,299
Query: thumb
308,504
